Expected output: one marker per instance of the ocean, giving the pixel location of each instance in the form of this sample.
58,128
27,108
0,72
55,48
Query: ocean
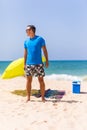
66,70
3,65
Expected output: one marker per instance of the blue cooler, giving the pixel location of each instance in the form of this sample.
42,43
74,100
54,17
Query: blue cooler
76,87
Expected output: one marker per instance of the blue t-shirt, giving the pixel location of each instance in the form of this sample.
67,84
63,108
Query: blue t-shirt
33,46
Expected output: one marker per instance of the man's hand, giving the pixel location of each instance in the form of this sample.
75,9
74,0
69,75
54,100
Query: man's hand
24,67
46,64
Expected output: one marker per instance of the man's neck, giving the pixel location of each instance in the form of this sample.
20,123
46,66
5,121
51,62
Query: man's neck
32,36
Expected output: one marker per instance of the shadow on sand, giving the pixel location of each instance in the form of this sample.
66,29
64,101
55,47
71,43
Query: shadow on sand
50,95
83,92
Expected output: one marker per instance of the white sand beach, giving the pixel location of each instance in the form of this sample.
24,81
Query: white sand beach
67,113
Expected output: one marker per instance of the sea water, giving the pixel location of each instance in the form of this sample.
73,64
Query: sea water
66,70
3,65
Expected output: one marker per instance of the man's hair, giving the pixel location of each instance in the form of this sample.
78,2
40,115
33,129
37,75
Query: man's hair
32,27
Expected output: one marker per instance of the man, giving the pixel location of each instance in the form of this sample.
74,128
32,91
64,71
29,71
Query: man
33,65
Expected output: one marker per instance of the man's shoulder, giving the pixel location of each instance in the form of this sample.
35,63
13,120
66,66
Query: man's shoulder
39,37
41,40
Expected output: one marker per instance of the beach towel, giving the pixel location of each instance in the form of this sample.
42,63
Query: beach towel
50,94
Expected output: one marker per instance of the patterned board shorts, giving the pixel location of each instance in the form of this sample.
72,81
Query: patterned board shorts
35,70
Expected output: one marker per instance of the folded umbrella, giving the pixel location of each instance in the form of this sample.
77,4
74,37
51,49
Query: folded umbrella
15,68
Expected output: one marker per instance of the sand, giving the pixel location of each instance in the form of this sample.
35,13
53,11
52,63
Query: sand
67,113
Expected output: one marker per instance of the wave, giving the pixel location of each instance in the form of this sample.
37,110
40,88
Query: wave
64,77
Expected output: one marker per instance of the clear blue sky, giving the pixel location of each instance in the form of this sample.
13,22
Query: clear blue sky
63,24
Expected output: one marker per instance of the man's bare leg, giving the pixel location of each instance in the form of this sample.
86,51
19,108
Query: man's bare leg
42,87
28,87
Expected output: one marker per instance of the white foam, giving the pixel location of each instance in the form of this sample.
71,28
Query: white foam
63,77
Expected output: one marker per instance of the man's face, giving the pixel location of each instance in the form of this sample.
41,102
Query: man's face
29,32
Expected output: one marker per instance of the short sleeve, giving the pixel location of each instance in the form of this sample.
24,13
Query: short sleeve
42,42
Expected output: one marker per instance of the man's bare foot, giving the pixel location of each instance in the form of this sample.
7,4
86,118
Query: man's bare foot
44,100
28,100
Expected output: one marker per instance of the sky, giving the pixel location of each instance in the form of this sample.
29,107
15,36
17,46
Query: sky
62,23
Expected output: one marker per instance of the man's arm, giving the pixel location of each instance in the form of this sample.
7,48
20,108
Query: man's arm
25,57
46,55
